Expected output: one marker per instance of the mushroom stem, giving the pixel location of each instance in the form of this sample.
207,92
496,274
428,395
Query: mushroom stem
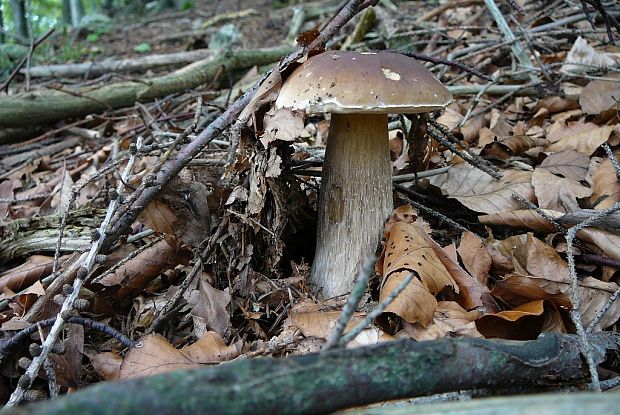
355,200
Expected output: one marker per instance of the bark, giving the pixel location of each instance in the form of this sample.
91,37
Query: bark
95,69
355,200
45,107
338,379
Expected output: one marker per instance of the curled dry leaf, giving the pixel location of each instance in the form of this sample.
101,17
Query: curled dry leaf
136,273
531,256
449,319
180,211
593,295
524,322
34,269
512,146
475,256
606,186
407,251
154,354
282,124
482,193
570,164
551,190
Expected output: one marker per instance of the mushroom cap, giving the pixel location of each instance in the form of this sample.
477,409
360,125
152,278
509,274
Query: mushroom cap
362,82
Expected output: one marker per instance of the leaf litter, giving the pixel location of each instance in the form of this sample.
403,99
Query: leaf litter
246,221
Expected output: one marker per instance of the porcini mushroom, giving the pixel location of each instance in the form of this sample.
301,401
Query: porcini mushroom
359,90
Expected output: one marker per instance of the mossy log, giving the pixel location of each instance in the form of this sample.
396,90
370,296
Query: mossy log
47,106
338,379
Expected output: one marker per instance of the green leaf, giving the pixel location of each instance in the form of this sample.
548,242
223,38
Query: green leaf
142,48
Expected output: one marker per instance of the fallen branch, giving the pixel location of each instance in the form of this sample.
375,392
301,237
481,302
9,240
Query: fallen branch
339,379
98,68
44,106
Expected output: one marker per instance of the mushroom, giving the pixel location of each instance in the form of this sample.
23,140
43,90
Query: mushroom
359,90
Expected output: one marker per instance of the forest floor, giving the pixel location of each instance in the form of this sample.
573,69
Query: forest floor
216,267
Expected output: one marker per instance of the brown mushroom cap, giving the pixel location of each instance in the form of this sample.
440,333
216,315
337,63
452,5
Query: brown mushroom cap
363,82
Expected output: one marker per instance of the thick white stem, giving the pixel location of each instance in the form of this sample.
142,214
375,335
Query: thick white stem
355,200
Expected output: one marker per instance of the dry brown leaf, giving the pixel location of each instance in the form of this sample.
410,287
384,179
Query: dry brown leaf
606,186
406,251
451,116
512,146
555,104
551,190
570,164
107,365
587,138
521,219
154,354
581,53
482,193
209,308
68,365
450,319
470,293
180,211
601,95
475,256
282,124
35,268
313,320
525,322
531,256
593,295
414,304
136,273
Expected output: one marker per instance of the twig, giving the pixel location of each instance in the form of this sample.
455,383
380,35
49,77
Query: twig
9,346
380,308
439,61
612,159
349,308
574,293
64,313
557,225
505,29
473,159
600,313
5,85
431,212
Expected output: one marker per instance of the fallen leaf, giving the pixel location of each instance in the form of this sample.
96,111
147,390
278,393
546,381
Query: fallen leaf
475,257
601,95
552,190
282,124
450,319
107,365
570,164
209,308
605,187
586,142
154,354
481,192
